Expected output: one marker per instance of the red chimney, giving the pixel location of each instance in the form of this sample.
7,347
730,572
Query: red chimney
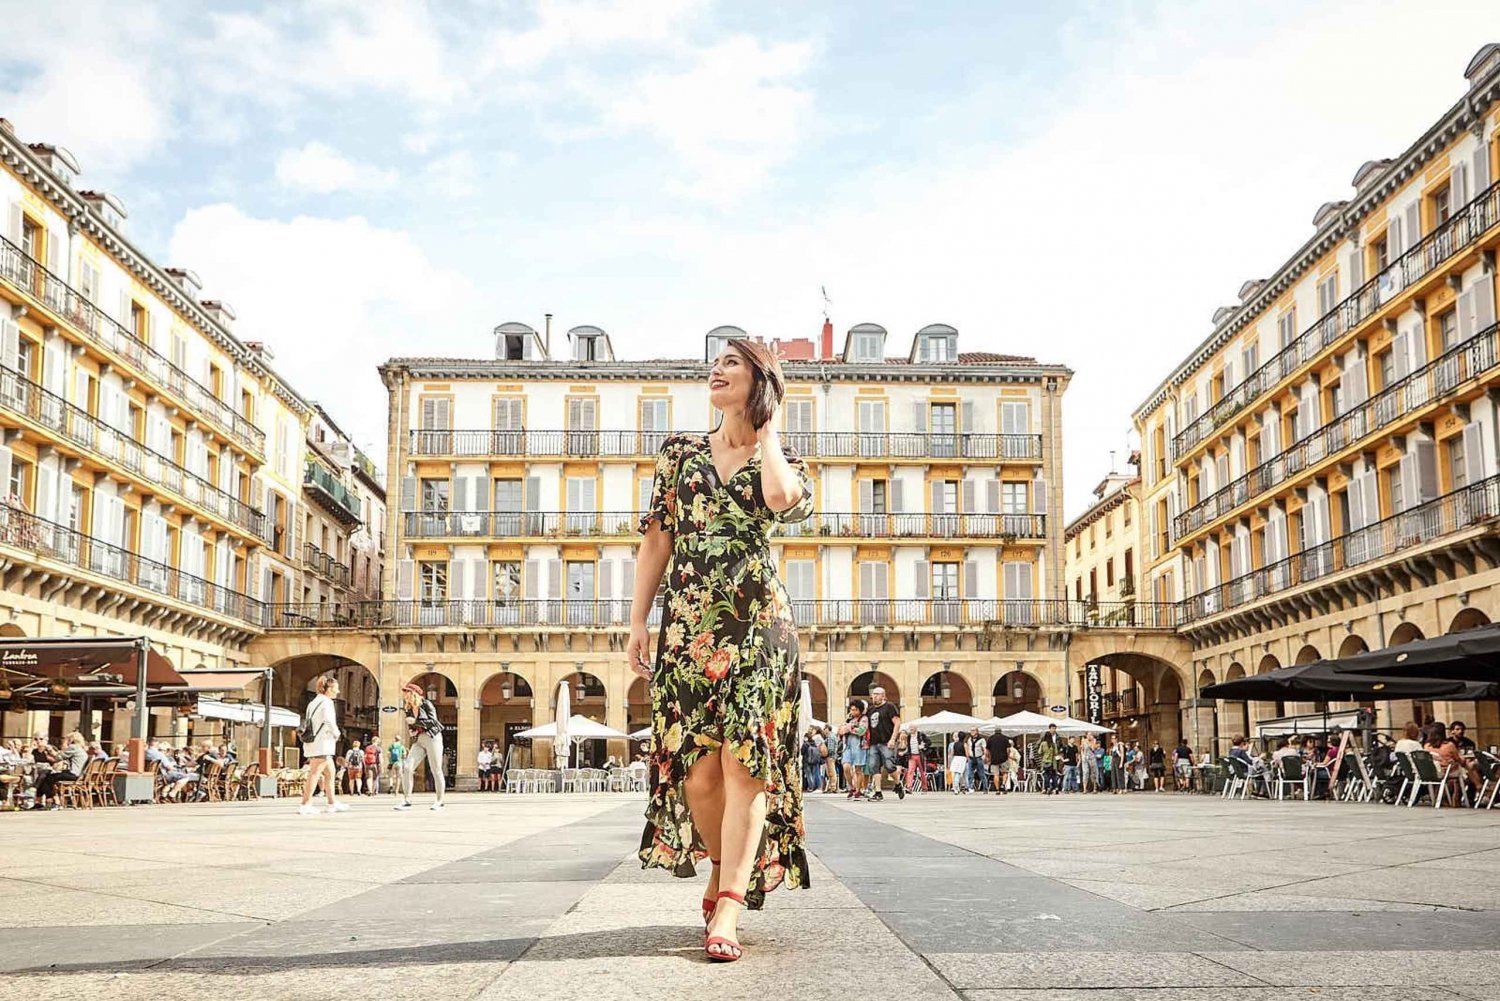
827,338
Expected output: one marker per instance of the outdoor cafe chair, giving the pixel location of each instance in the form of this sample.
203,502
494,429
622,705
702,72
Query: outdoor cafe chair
1489,774
72,792
1237,782
104,788
1289,774
249,781
1359,786
514,779
1421,772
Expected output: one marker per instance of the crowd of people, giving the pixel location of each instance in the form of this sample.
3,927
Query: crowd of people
854,756
34,768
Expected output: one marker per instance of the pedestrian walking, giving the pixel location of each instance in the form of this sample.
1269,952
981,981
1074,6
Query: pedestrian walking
958,764
998,747
395,755
728,658
1049,751
831,748
373,761
812,762
1182,765
354,768
1157,765
320,740
426,735
885,720
979,774
852,734
1070,765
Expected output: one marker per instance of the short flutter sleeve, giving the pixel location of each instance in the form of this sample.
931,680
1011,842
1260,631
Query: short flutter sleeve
663,504
804,506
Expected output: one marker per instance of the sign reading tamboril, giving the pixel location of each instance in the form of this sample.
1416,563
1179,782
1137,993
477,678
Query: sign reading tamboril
1093,692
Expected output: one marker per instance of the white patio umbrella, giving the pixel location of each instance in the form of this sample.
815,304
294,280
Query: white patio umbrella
560,741
1070,727
804,710
946,721
644,733
578,728
1021,724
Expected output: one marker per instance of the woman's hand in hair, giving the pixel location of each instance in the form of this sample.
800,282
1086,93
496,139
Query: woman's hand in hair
766,433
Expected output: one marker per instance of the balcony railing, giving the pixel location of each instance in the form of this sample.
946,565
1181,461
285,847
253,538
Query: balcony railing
334,492
637,444
615,613
564,524
1390,406
1453,512
27,275
52,541
87,433
322,563
1461,231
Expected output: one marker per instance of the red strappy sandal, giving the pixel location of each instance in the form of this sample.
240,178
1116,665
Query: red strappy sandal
712,940
709,902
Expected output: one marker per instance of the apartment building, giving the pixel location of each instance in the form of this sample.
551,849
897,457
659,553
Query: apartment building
928,566
152,462
1319,476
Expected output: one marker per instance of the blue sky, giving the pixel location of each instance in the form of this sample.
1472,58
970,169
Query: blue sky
1082,182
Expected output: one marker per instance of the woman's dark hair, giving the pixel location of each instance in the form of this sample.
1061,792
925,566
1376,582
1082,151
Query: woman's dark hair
857,704
767,385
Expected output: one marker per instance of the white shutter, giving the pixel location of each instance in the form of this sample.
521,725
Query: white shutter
1458,188
897,506
554,578
1475,468
1411,490
1356,501
607,573
1401,354
13,224
1371,495
643,494
971,579
405,570
10,345
866,496
967,494
1039,494
534,493
1482,304
937,498
1481,178
476,583
921,573
919,416
969,418
1393,243
1426,465
531,580
1413,231
1356,382
627,579
1018,581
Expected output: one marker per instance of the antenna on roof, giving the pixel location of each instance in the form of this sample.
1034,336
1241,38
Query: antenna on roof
1111,462
826,301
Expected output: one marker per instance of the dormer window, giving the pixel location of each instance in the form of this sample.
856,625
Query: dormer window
515,342
935,343
590,344
866,343
718,339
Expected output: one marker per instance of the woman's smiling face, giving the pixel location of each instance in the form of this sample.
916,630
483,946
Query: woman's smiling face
729,380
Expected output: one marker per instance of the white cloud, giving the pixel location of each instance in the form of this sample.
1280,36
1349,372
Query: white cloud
590,25
731,117
318,168
333,297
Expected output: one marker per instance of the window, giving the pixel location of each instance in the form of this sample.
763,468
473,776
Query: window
655,414
866,347
514,348
799,424
583,426
1013,499
1442,206
944,430
1393,482
1383,251
871,427
1129,566
433,577
932,348
20,479
88,281
1093,539
31,239
23,358
1250,358
1457,467
580,592
586,348
1015,417
1328,294
945,581
1448,326
1387,362
140,322
1286,328
435,495
1109,572
1125,513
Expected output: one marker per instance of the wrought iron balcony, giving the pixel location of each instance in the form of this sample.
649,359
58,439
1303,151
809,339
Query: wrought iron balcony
643,444
622,524
28,276
23,530
341,501
602,613
1391,406
85,433
322,563
1464,228
1451,513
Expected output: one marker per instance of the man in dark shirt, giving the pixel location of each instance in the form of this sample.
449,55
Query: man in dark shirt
999,748
1458,732
1070,765
885,720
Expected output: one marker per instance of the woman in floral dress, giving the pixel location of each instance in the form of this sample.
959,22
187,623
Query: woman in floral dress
726,781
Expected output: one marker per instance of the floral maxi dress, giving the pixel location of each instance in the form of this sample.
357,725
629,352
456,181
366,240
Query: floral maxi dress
726,658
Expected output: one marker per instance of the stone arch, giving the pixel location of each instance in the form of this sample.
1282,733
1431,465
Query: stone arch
1468,618
589,697
506,706
1267,664
637,705
445,689
946,690
1353,644
1236,715
1157,710
1205,678
357,707
1406,632
862,683
1265,710
819,693
1307,655
10,630
1006,701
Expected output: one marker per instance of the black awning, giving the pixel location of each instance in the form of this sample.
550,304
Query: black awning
1472,655
1321,680
25,660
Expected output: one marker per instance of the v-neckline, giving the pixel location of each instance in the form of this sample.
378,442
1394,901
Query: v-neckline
724,481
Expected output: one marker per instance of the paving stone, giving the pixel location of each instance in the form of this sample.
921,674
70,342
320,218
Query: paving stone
1365,968
969,971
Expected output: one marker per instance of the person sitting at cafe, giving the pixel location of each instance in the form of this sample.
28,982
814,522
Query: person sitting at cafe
1285,749
1411,739
173,775
70,764
1450,760
1237,749
1458,731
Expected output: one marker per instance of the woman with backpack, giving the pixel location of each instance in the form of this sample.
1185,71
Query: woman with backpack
320,740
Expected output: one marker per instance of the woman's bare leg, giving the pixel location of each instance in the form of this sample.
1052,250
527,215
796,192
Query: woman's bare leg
744,821
705,796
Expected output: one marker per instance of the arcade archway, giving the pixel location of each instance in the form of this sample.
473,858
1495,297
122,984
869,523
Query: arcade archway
1352,644
1237,714
946,691
1142,696
506,702
1468,618
358,706
1015,692
861,685
1406,632
587,697
440,690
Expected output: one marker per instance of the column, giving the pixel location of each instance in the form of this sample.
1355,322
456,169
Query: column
467,719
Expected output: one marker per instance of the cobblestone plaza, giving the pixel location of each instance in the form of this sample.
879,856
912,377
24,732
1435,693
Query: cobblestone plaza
1024,898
